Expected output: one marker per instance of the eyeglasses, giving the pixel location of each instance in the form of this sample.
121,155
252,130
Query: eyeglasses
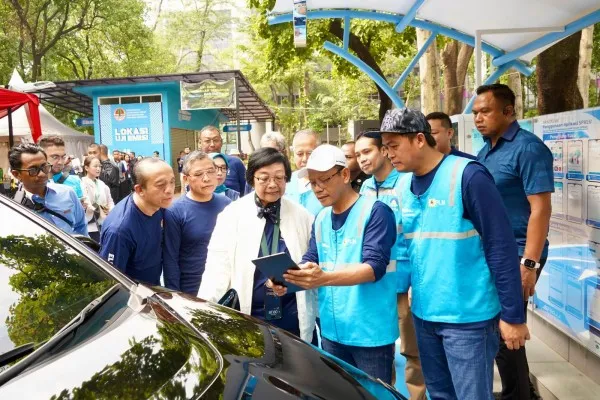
213,141
35,171
222,168
265,179
322,182
56,157
209,173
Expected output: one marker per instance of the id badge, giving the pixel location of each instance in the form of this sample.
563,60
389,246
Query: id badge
272,305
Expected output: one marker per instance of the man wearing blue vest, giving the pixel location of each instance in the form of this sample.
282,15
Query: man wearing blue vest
384,186
465,277
347,260
304,143
521,165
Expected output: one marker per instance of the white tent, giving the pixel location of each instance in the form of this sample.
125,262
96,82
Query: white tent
76,143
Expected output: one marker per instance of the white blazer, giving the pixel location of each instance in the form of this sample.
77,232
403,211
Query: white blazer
235,242
102,197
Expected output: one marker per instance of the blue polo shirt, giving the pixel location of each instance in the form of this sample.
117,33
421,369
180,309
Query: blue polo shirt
132,241
521,165
236,175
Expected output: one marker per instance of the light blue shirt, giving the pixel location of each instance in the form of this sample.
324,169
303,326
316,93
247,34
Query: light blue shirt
62,200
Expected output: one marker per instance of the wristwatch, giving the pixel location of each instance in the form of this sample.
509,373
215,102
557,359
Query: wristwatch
530,264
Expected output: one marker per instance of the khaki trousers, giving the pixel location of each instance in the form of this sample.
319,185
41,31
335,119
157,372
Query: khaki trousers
409,349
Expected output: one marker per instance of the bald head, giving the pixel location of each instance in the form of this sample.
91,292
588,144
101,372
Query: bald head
145,169
305,141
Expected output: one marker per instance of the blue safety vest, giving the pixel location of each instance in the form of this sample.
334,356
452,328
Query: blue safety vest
302,195
388,192
361,315
451,281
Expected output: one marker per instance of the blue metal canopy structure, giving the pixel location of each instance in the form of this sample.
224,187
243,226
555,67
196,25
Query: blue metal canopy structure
513,32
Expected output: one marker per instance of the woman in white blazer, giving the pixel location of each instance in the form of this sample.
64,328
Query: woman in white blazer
98,195
245,231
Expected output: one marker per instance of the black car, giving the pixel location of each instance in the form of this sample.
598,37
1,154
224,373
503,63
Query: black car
73,327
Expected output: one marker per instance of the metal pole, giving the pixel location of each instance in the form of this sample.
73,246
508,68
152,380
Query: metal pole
339,135
327,131
478,72
237,116
11,139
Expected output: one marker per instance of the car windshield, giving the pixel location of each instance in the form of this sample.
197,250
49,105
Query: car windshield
44,283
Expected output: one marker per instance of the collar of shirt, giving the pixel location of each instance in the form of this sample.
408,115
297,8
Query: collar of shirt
36,198
510,133
388,183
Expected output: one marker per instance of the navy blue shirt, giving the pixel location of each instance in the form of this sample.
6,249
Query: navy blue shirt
455,152
236,175
521,165
132,241
483,207
188,227
289,307
378,239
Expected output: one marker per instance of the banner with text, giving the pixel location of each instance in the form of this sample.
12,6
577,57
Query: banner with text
208,94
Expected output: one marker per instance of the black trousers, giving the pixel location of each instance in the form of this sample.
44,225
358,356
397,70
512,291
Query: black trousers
513,366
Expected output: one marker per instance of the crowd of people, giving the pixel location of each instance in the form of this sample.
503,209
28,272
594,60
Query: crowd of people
396,234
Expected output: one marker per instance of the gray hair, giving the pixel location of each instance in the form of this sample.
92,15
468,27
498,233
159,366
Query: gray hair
274,137
194,156
307,132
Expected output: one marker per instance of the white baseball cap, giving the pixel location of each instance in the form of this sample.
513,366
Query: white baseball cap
323,158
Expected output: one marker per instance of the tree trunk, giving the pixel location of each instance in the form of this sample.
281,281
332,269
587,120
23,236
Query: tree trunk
514,82
585,64
557,77
305,85
362,51
429,73
455,62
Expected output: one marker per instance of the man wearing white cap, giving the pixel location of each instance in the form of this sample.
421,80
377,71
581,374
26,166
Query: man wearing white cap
347,260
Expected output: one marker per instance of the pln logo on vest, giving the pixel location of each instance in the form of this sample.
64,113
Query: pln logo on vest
394,205
435,203
349,242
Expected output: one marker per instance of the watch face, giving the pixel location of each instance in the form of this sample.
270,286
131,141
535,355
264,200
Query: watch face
529,263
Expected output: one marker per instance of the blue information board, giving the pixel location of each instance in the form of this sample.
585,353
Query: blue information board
133,127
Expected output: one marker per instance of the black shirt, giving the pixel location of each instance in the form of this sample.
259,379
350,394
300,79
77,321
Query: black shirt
358,182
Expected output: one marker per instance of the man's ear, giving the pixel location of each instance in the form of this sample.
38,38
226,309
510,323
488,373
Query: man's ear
16,174
138,188
450,133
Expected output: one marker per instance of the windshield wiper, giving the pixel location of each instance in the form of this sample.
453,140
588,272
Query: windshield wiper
46,348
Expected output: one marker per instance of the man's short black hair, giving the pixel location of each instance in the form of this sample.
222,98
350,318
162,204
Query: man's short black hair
374,135
440,116
14,155
157,153
500,91
264,157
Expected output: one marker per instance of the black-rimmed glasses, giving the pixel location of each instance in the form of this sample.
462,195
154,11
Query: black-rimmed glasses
35,171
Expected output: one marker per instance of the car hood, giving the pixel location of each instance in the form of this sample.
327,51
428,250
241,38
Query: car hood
176,346
269,363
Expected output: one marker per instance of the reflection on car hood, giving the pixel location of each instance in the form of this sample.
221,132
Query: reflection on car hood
149,353
269,363
178,346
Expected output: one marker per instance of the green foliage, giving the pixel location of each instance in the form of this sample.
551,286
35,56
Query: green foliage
53,283
337,91
77,39
192,33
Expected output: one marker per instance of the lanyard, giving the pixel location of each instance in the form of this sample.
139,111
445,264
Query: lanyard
274,244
